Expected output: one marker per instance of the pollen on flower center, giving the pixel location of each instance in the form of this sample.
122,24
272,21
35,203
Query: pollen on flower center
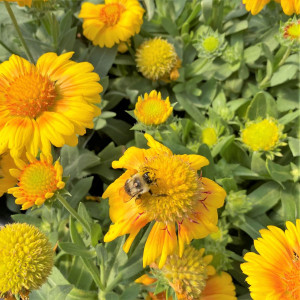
30,94
110,14
175,189
292,31
291,279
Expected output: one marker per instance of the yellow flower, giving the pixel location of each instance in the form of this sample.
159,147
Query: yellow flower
22,2
6,180
173,195
157,59
26,259
262,135
274,273
152,110
46,104
37,181
111,23
290,7
193,278
209,136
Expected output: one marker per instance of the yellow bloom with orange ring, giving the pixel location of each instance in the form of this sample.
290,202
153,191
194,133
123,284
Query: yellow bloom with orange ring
37,181
111,23
26,259
47,103
274,272
177,196
152,110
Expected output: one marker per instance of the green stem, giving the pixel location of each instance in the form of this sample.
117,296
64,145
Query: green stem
14,20
130,50
285,56
114,282
73,212
7,48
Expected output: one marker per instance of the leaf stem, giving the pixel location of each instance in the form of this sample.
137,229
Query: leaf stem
14,21
72,211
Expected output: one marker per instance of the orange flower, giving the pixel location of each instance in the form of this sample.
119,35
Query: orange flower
173,195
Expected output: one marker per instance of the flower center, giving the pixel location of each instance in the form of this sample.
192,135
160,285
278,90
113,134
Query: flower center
209,136
153,108
291,280
210,44
110,14
175,189
38,179
292,31
30,94
261,136
187,274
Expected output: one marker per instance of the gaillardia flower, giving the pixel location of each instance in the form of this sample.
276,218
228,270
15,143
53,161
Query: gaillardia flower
26,259
263,135
193,278
157,59
37,181
152,110
274,273
290,34
111,23
46,104
162,187
6,180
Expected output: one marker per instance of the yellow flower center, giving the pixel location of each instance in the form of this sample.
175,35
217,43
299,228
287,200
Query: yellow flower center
38,179
187,274
26,258
110,14
30,94
292,31
209,136
156,58
261,136
210,44
175,189
291,280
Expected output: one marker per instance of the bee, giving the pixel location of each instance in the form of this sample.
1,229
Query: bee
138,184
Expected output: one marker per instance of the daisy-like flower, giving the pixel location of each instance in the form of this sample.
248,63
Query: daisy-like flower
157,59
162,187
152,110
263,135
290,34
37,181
289,7
274,273
193,278
111,23
46,104
6,180
26,259
209,44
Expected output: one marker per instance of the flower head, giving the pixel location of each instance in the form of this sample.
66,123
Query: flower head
26,258
193,278
46,104
174,194
22,2
37,181
157,59
290,7
274,272
255,6
262,135
209,43
6,180
111,23
152,110
290,34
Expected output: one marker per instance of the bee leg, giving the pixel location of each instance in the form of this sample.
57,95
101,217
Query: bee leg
150,192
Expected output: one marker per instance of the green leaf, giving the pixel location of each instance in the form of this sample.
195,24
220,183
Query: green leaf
60,292
96,234
251,54
21,218
102,59
80,190
208,171
84,214
284,73
294,145
131,292
75,249
264,198
191,109
222,144
258,165
77,294
288,202
150,8
279,173
251,227
287,118
262,105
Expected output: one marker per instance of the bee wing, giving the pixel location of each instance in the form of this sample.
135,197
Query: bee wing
125,196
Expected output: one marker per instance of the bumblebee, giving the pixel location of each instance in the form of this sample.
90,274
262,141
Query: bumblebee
138,184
